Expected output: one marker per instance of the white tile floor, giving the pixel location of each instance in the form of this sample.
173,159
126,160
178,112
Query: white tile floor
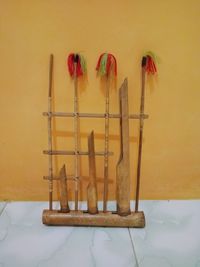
170,238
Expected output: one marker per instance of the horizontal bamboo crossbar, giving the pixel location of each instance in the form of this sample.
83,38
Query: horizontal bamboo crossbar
69,177
80,218
93,115
71,153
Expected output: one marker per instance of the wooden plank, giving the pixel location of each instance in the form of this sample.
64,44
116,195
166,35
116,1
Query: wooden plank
92,186
123,166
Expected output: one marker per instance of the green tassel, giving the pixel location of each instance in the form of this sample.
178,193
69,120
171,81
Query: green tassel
83,63
102,68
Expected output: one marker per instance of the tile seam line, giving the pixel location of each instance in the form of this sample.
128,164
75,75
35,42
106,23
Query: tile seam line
133,248
3,208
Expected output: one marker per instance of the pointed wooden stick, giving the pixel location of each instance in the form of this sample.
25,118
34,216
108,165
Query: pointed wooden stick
63,190
92,187
123,167
50,132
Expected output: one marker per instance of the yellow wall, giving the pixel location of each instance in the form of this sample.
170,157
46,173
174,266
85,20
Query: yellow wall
32,29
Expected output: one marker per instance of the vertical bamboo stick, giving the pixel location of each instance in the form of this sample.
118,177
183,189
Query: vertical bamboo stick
106,63
76,137
140,133
50,132
106,145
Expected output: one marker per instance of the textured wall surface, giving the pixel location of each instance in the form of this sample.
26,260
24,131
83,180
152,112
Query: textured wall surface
31,30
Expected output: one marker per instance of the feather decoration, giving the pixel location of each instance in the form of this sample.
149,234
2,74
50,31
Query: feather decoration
81,65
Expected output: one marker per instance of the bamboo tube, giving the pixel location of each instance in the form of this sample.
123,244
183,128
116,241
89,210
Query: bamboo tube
93,115
92,186
140,132
64,207
50,132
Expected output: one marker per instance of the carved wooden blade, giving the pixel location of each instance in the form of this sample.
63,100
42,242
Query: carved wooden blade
123,167
63,190
92,187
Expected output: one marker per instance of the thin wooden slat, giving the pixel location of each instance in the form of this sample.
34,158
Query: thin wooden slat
69,177
72,153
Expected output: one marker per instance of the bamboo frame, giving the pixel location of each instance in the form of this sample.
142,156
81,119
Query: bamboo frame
88,218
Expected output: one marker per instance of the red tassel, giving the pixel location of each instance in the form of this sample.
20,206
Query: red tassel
79,71
71,68
150,66
154,66
111,59
99,61
115,65
108,63
70,62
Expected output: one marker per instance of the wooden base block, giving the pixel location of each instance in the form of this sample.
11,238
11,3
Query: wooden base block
79,218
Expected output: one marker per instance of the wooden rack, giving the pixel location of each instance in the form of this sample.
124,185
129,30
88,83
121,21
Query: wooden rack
122,217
